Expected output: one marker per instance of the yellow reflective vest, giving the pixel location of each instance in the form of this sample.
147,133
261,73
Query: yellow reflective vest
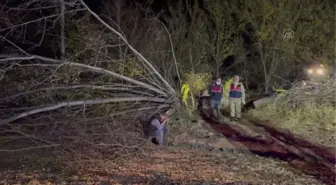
227,87
184,92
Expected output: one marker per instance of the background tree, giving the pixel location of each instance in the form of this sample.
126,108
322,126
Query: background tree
269,20
223,32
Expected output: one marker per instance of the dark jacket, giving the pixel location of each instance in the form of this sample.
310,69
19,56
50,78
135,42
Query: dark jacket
216,92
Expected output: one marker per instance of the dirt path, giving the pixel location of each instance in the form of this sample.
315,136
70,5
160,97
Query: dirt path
309,158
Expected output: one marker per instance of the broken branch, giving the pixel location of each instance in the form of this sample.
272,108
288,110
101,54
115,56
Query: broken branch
84,102
94,69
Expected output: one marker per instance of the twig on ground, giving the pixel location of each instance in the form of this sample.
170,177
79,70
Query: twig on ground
30,148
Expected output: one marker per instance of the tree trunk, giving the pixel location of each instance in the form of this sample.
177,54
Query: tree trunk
266,79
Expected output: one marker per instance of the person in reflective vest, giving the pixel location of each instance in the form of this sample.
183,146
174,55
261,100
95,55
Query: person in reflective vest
236,97
216,94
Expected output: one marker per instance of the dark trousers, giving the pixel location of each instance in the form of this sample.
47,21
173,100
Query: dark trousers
159,135
215,105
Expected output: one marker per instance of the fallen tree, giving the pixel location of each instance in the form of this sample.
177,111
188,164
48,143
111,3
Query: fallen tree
82,101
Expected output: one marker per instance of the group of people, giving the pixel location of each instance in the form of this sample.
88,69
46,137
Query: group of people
236,96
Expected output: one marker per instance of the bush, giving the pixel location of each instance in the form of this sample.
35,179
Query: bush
315,115
198,82
193,85
130,68
183,120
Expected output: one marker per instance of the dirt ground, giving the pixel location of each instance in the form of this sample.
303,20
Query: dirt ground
168,166
189,159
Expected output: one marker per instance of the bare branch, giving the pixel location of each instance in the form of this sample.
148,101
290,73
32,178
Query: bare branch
173,52
62,22
30,148
75,87
39,19
137,110
84,102
16,59
92,68
4,38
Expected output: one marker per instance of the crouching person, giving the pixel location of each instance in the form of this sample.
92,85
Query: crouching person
159,129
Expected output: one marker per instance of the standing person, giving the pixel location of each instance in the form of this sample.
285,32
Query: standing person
236,97
216,93
158,127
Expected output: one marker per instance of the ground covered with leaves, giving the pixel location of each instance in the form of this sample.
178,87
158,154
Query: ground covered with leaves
186,160
161,166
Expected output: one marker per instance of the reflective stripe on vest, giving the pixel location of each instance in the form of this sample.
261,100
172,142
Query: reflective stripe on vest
216,89
235,92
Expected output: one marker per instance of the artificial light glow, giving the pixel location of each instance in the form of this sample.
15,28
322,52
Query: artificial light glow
320,71
304,83
310,71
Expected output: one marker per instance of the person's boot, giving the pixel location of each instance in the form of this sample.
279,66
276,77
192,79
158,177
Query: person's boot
155,141
238,118
218,118
211,115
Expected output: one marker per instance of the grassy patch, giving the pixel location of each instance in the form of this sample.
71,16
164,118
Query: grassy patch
183,120
313,121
